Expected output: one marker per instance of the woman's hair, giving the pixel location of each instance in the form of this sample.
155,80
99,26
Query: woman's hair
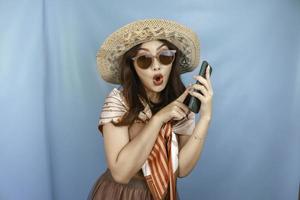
132,86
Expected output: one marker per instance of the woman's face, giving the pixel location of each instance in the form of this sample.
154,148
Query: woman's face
152,83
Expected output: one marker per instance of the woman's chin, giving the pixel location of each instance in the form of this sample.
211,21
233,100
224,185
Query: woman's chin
155,88
158,88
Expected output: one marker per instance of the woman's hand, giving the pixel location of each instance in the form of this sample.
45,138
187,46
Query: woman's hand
176,110
206,98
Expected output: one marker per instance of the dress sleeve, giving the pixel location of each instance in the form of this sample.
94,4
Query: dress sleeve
113,109
186,125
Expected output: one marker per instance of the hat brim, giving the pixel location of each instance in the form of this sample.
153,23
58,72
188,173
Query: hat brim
116,44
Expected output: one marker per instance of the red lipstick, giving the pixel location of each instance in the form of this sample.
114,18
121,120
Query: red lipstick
158,79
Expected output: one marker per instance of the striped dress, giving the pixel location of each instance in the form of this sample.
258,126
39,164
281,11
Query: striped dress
153,180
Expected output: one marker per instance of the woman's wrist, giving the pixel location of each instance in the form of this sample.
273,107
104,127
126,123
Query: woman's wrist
203,122
206,118
157,119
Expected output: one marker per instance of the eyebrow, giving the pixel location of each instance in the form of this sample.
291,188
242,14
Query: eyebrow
148,49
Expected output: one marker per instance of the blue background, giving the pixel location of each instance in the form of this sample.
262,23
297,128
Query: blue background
51,95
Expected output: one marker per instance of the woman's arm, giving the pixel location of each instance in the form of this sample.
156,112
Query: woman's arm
190,153
125,158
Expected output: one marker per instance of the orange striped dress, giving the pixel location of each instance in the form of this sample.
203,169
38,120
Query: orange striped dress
157,178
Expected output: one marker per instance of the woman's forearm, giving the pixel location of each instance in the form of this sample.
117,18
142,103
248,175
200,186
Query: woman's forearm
134,154
191,151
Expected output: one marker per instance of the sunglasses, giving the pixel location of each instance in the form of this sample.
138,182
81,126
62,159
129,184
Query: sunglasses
145,60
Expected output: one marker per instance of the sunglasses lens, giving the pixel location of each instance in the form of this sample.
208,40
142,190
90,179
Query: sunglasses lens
144,61
166,58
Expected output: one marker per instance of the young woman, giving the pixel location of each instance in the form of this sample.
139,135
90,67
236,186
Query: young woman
150,135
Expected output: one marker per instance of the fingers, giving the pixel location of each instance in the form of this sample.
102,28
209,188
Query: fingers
208,76
205,81
182,97
201,88
182,107
198,95
179,113
202,81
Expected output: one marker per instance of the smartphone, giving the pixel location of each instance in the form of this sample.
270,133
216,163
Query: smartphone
194,103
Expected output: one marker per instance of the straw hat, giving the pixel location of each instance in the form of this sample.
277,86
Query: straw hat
116,44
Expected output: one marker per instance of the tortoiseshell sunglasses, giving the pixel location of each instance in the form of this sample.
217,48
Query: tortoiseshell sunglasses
145,60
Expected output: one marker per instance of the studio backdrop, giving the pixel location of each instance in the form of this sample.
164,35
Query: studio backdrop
51,95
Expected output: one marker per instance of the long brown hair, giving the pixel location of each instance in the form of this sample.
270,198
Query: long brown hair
132,86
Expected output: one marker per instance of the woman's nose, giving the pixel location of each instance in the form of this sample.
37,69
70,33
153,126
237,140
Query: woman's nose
155,64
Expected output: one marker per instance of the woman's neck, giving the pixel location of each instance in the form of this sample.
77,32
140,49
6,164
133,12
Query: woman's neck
153,97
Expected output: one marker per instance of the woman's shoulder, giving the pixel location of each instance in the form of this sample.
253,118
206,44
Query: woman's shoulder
116,96
113,109
117,91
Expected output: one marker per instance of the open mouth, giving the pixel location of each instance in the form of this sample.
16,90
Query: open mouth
158,79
